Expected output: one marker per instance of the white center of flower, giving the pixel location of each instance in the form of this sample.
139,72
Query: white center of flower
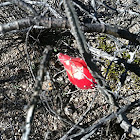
67,62
78,73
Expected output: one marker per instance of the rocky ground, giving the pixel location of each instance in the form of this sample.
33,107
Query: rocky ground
61,104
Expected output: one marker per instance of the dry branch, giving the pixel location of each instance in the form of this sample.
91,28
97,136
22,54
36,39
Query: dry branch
35,96
126,126
63,23
23,5
72,23
82,46
129,66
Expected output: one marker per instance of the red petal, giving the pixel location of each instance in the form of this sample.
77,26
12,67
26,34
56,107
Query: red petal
77,71
79,60
63,57
87,82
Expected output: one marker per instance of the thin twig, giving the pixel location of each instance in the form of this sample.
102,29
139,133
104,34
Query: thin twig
28,56
25,6
80,119
35,96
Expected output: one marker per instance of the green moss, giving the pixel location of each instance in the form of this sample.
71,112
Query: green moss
113,74
105,46
113,70
125,55
136,78
137,61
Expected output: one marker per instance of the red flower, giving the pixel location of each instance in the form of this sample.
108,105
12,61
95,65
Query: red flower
77,71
